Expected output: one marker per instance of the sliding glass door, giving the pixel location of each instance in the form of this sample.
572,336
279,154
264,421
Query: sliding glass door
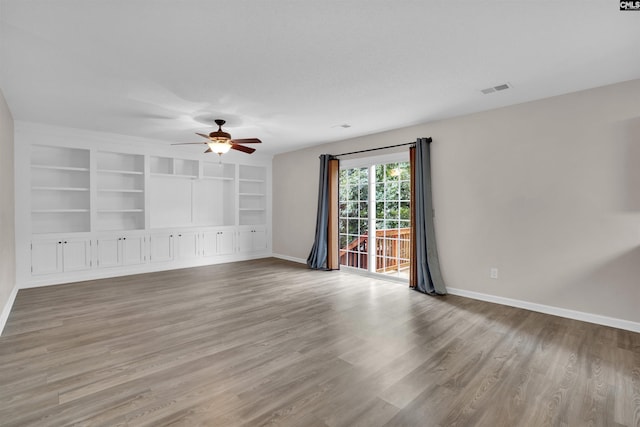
375,215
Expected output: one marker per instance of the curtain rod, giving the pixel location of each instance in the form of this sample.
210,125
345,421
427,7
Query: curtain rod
379,148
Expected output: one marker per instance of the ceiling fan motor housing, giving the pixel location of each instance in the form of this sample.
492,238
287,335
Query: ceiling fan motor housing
220,135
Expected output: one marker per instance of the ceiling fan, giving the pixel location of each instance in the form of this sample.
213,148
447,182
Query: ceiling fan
220,142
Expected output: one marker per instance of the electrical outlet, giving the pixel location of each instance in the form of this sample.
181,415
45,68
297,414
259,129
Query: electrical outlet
494,273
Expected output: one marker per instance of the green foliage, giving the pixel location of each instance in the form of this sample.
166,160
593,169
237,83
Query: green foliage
392,192
405,190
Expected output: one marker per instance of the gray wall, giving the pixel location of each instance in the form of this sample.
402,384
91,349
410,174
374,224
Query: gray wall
7,215
546,191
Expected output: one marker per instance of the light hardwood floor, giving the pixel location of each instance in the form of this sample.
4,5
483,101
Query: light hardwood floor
269,342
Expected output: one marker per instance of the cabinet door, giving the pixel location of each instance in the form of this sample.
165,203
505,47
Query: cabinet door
245,240
108,252
132,250
259,239
76,254
161,247
187,245
224,242
251,240
46,257
209,243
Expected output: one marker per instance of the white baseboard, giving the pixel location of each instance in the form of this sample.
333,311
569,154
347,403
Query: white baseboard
548,309
541,308
4,316
147,267
290,258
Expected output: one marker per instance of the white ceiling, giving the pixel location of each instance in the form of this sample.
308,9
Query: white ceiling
290,72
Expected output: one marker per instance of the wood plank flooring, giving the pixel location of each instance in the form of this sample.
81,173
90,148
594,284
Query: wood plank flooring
269,342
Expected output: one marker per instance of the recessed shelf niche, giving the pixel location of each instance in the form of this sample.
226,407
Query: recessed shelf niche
120,191
60,182
214,195
169,166
252,195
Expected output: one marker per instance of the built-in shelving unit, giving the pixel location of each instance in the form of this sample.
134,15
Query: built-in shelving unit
98,209
120,191
60,197
251,195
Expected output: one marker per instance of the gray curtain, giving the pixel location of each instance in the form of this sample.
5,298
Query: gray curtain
429,278
318,257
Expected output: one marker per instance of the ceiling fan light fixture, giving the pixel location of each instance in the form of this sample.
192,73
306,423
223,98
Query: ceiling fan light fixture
220,135
219,147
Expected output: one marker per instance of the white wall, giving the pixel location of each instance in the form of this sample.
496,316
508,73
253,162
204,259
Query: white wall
546,191
7,215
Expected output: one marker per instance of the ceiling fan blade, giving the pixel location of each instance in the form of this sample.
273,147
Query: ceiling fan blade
209,150
246,141
188,143
202,135
242,148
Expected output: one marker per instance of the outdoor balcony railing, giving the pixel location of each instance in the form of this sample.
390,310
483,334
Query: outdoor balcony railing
392,246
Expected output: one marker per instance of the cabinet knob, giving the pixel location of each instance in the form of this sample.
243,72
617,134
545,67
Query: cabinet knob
179,235
59,243
65,242
124,238
119,238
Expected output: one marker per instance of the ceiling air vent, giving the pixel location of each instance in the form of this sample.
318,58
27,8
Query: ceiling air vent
498,88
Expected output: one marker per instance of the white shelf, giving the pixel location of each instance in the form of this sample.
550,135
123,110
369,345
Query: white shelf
252,209
171,175
59,210
251,194
121,172
250,180
119,190
60,168
119,210
60,188
218,178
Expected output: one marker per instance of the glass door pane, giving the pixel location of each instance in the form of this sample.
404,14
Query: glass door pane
393,219
354,217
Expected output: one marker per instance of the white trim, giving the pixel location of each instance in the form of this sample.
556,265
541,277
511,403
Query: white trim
547,309
6,310
290,258
367,161
540,308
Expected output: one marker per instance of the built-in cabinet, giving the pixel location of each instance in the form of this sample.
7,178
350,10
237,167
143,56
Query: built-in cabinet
100,210
62,255
119,250
252,239
218,242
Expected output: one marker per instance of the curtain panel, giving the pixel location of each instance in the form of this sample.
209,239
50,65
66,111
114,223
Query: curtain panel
424,274
324,253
